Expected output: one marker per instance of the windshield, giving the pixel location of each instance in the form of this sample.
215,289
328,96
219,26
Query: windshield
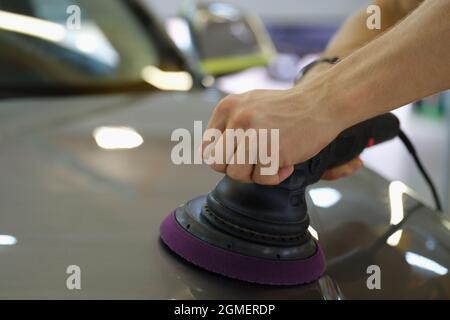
89,44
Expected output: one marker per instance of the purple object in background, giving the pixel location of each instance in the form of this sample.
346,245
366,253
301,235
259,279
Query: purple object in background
238,266
300,39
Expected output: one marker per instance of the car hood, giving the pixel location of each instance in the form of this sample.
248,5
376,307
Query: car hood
67,201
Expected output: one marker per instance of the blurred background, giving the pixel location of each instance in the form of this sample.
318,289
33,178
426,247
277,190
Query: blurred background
327,12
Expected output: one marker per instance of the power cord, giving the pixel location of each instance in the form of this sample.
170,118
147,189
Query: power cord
408,144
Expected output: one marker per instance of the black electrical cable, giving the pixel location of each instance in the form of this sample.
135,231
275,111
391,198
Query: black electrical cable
408,144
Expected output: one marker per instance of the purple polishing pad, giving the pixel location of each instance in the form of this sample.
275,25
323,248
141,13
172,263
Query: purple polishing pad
238,266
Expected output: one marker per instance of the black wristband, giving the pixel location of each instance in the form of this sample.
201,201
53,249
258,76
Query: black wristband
309,66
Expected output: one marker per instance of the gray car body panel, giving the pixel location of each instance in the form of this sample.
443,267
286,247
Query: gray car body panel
69,202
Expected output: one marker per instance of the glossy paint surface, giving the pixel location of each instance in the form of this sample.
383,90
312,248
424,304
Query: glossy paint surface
65,200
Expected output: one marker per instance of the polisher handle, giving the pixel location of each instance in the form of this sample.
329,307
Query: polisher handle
347,145
352,142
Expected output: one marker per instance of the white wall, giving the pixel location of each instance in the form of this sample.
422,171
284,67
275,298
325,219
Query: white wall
311,11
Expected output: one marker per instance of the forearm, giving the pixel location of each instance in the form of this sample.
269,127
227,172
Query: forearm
406,63
354,34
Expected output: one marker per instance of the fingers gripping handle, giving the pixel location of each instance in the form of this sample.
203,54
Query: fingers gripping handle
347,145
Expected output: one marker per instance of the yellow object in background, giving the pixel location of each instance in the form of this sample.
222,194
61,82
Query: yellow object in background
226,65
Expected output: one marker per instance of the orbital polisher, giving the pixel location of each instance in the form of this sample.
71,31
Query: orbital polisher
259,233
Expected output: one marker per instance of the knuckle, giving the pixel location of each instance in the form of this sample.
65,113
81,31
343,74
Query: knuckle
227,103
244,119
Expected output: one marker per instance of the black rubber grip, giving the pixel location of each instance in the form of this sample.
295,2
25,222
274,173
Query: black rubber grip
347,145
352,142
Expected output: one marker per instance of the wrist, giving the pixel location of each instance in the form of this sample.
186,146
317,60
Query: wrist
316,67
316,70
322,95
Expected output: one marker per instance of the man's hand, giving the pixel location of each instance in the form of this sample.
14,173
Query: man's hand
263,109
305,127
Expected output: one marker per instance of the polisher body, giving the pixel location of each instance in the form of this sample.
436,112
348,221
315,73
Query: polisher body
259,233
